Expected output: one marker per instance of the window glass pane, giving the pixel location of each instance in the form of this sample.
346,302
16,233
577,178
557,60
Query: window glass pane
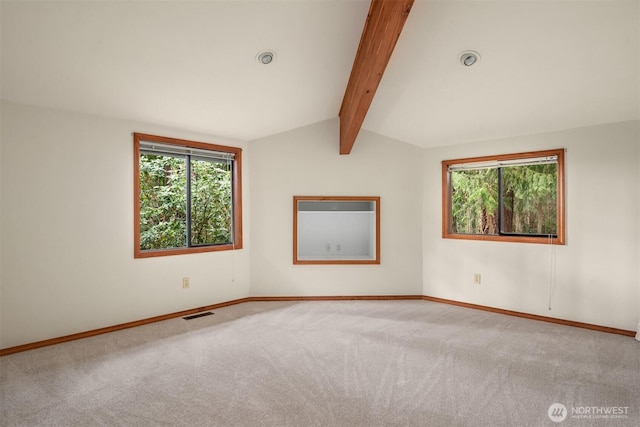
163,211
529,196
474,201
211,202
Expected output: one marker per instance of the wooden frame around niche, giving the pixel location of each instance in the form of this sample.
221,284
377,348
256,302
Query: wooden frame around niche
373,260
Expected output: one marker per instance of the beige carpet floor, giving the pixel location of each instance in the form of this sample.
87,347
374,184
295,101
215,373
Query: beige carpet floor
338,363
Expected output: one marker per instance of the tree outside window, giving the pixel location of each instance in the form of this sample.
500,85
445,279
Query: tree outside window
516,197
187,197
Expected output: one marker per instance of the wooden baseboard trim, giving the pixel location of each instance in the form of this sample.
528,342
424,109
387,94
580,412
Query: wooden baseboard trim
533,316
338,298
105,330
100,331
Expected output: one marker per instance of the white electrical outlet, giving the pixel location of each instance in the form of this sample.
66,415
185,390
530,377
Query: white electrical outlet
328,247
185,283
477,279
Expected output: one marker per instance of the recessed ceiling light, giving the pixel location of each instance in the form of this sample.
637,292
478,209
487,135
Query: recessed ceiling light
469,58
266,57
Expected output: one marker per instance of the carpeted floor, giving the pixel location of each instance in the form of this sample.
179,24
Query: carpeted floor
343,363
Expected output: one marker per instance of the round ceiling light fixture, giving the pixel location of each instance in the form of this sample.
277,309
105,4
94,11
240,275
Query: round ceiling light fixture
266,57
469,58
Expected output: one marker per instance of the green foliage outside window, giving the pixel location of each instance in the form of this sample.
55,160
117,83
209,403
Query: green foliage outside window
474,201
211,211
527,205
163,202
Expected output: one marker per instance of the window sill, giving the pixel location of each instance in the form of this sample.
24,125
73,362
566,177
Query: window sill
184,251
500,238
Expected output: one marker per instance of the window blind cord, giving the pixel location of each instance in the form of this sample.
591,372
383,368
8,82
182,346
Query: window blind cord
552,268
233,236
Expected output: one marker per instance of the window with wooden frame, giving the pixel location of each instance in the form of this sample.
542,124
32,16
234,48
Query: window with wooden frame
510,197
336,230
187,196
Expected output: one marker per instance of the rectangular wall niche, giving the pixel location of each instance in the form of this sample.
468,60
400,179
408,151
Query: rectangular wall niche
336,230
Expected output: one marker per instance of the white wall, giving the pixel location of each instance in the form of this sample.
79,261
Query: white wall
596,277
66,227
306,162
1,216
67,231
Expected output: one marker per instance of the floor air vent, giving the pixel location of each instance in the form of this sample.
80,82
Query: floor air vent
195,316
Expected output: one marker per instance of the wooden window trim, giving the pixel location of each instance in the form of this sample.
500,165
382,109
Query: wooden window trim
236,191
374,199
446,199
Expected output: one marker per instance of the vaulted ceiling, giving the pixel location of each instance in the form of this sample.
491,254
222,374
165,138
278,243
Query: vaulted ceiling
545,65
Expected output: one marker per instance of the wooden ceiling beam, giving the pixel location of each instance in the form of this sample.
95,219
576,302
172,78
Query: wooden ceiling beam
379,36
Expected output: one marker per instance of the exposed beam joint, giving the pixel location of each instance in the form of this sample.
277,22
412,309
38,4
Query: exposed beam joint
379,37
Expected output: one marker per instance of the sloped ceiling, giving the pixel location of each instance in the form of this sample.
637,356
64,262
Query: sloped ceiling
545,65
184,64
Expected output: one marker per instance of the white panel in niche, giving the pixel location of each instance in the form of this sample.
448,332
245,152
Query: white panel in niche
336,230
336,235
